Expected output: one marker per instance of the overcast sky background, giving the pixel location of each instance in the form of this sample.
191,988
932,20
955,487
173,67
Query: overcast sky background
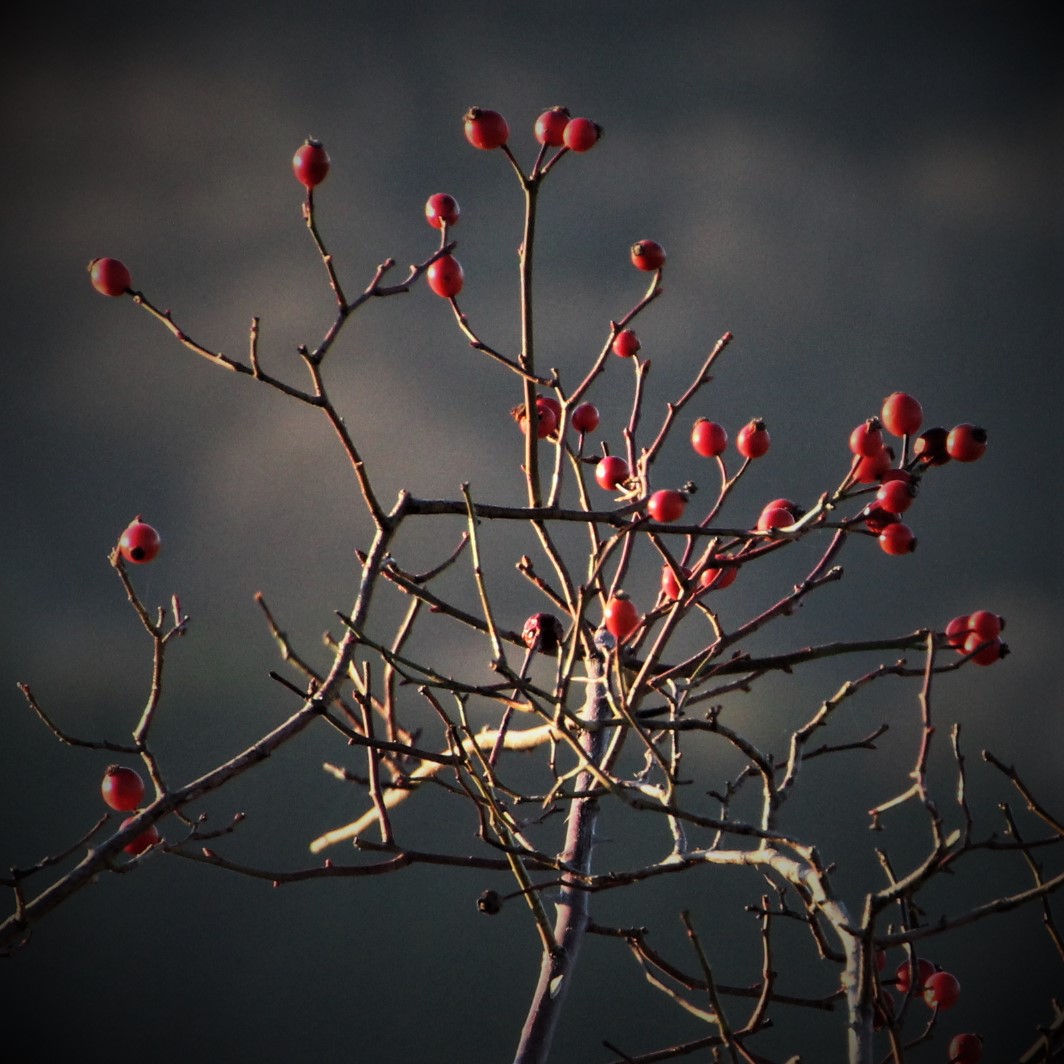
867,196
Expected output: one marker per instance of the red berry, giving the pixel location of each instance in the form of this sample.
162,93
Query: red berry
548,411
753,439
550,126
786,504
872,468
621,617
966,442
581,134
611,471
708,438
773,516
648,255
942,990
586,418
485,128
139,843
441,209
670,586
867,439
122,788
966,1049
310,163
625,343
896,496
985,623
897,538
551,404
667,505
110,276
445,276
924,969
984,651
930,446
901,415
716,579
139,543
957,632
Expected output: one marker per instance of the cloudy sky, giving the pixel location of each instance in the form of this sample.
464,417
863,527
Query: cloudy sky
867,196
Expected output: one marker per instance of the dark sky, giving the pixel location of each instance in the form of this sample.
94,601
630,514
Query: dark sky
867,196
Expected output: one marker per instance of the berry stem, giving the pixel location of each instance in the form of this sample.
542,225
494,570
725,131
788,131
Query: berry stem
527,358
326,258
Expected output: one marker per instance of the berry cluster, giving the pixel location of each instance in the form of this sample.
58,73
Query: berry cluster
937,988
902,416
123,789
889,455
872,468
978,635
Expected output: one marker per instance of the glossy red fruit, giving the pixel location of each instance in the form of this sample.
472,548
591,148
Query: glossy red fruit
965,1049
139,843
942,990
715,579
957,632
985,623
611,471
585,418
902,415
551,404
621,617
867,439
547,412
774,516
626,343
984,651
550,126
485,128
930,446
122,788
139,543
897,538
581,134
870,469
787,504
670,586
895,496
966,443
111,277
441,208
753,439
310,163
708,438
667,505
924,969
647,255
445,276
